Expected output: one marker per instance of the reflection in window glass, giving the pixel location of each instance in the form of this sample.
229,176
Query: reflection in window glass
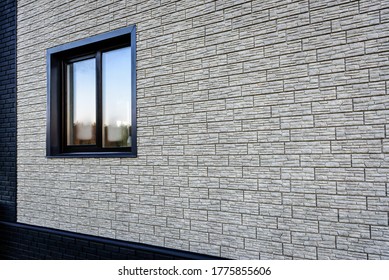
81,98
116,82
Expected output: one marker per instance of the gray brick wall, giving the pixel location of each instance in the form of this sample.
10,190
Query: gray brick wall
262,128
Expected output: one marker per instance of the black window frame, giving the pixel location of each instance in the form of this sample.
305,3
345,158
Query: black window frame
57,58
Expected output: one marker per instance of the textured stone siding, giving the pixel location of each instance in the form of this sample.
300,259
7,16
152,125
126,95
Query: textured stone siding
262,128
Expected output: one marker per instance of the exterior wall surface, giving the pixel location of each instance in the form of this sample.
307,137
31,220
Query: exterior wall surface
8,110
262,128
19,241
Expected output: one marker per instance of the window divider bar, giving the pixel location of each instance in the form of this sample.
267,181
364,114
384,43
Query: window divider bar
99,100
68,109
64,113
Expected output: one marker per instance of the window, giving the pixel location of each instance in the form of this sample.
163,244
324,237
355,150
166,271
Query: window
91,98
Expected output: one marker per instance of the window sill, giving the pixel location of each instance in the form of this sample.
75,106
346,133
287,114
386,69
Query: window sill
94,155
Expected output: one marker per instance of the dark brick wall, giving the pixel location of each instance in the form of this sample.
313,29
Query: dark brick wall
19,241
8,110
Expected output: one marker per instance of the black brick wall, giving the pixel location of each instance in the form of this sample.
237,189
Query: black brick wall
8,110
19,241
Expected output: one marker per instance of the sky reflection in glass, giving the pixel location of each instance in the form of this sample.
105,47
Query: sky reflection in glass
81,102
116,86
116,100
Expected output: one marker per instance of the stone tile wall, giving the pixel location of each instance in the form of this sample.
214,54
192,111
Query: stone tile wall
262,128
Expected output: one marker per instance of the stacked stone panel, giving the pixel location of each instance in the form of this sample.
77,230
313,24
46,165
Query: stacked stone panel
262,128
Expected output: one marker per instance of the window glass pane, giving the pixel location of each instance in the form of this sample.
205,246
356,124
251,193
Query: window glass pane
81,102
116,90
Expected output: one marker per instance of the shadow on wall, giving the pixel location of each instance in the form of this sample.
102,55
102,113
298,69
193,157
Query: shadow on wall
22,242
8,110
7,211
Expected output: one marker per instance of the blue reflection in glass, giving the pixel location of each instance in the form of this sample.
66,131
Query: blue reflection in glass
116,90
81,109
